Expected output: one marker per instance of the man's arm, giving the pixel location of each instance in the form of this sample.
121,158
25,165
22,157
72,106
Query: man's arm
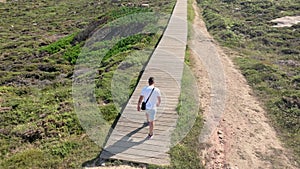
158,101
139,103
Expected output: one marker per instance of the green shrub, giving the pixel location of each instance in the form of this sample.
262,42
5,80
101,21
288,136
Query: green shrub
64,149
186,153
32,158
59,45
109,112
72,53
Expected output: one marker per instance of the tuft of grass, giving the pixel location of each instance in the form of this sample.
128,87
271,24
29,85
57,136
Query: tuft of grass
63,149
191,12
32,158
186,153
59,45
72,53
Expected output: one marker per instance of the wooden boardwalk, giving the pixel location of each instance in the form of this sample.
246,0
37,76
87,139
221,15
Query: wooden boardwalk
128,139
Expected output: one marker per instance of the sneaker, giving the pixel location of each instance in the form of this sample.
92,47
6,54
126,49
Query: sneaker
149,136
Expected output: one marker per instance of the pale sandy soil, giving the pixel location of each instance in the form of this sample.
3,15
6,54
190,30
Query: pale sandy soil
286,21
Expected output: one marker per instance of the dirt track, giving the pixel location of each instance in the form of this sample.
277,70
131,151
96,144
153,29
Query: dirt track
238,134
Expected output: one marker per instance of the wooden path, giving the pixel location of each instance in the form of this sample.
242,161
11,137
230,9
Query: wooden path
128,139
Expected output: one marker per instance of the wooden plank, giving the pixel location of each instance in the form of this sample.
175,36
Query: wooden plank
159,160
158,129
138,152
125,156
159,122
141,145
160,114
166,112
157,139
160,119
170,106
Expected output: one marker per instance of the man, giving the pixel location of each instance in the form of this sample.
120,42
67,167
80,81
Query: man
153,93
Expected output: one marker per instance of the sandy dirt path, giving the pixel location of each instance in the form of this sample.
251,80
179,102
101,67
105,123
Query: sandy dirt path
236,133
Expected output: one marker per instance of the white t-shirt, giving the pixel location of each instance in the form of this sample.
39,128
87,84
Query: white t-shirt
151,104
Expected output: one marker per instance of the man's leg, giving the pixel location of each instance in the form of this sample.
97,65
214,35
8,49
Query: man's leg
152,114
147,117
151,127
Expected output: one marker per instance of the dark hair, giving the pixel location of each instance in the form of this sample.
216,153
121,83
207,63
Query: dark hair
151,80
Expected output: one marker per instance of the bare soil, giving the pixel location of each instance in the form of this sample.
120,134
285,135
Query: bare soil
286,21
243,137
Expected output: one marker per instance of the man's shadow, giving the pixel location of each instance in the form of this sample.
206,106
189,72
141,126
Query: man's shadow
121,145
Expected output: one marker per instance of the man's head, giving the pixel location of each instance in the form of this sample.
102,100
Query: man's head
151,80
